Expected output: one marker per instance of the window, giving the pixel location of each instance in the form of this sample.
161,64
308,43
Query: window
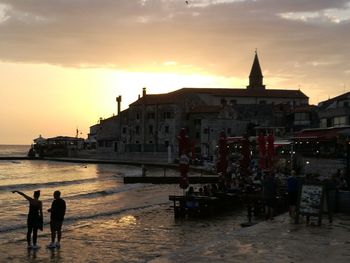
323,123
150,115
137,129
167,115
338,121
346,104
124,130
197,121
198,135
228,131
137,116
150,129
166,129
301,116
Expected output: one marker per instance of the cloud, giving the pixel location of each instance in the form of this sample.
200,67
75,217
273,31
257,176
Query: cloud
213,36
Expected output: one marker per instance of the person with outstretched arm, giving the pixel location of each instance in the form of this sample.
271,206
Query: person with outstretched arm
58,211
35,217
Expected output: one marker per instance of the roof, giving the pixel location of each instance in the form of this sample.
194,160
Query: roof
173,97
256,69
326,103
64,138
150,99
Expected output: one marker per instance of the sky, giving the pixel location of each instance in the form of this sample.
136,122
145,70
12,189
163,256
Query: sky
64,62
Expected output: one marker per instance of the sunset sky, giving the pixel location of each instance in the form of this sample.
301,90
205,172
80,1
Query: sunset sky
63,62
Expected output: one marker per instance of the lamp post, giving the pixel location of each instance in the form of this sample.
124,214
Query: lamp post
306,167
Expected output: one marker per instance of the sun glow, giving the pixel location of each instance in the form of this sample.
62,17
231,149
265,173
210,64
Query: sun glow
130,84
63,99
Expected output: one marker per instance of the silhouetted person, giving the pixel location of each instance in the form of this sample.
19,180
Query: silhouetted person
293,190
57,210
35,217
270,194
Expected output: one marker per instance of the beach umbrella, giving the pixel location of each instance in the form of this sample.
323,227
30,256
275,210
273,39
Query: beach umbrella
184,161
246,158
222,163
270,150
262,151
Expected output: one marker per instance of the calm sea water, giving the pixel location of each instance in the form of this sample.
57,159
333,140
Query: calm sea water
133,223
14,150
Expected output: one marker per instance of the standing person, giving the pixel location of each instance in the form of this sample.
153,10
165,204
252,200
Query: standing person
270,194
293,190
57,210
35,217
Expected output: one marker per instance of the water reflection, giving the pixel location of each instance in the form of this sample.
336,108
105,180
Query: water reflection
55,254
127,220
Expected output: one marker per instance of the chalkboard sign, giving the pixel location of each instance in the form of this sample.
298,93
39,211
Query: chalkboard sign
311,200
310,203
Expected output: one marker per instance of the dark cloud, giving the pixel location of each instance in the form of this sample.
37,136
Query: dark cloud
220,37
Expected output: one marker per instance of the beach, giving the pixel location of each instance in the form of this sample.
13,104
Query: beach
128,239
108,221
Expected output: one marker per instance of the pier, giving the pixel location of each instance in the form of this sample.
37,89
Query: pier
169,179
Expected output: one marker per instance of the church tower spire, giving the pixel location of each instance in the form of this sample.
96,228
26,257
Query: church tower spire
255,76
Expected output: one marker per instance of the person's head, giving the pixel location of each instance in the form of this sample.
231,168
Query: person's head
36,194
57,194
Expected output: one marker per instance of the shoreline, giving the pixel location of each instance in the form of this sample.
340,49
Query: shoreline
101,161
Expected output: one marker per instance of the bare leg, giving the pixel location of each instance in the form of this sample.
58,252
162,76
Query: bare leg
59,232
29,233
53,232
35,235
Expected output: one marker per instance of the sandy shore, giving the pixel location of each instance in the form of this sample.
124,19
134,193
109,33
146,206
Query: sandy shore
278,240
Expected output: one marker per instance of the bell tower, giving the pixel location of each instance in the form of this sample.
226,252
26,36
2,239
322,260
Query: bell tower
255,76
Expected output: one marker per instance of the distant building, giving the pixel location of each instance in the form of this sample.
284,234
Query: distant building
152,122
335,112
58,146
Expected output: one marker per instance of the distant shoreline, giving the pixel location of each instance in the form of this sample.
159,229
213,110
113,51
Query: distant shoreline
101,161
17,158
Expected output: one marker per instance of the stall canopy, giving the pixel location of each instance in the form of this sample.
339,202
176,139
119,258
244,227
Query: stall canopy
323,134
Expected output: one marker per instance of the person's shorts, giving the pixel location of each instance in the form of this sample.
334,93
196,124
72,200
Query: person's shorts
56,225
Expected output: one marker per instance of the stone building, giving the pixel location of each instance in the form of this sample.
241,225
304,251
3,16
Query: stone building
152,122
335,112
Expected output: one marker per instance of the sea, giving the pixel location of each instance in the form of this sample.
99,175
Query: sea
106,220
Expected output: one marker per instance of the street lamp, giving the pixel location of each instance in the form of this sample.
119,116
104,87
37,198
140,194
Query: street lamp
306,167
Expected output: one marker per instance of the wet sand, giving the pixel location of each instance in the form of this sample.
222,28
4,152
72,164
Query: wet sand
124,240
278,240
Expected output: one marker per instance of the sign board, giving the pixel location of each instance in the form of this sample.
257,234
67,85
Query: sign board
311,200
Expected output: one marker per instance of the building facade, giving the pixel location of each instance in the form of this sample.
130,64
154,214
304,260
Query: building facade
335,112
152,123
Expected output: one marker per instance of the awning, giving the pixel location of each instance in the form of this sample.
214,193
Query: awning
322,134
